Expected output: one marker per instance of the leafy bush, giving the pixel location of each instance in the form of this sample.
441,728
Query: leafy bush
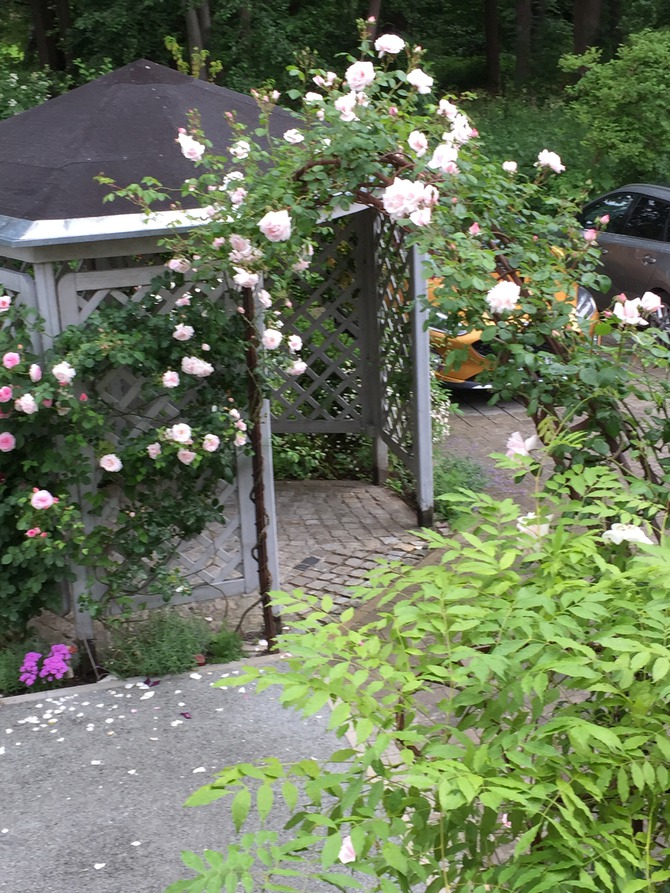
225,646
164,644
510,706
321,457
451,474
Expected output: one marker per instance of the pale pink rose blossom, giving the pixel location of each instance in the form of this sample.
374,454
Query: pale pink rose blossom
444,158
170,379
184,301
35,372
219,242
550,160
11,359
5,303
180,433
503,296
504,821
210,443
110,462
460,132
300,266
347,852
245,279
33,532
294,343
651,302
196,366
179,265
628,312
237,196
311,97
362,99
393,111
26,404
419,79
205,347
326,81
590,235
418,143
42,499
182,332
154,450
7,442
421,217
320,114
510,167
403,197
271,339
5,393
626,533
276,226
190,148
605,219
186,456
447,109
240,439
389,43
240,149
345,105
293,136
475,229
63,373
264,299
234,413
297,367
240,425
517,445
360,75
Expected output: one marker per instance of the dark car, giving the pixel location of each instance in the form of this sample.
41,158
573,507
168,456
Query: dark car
635,242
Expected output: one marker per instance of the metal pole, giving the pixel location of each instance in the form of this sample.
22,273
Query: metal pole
271,622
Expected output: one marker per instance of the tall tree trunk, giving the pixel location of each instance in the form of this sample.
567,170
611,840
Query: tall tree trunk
49,26
585,23
522,43
492,45
198,28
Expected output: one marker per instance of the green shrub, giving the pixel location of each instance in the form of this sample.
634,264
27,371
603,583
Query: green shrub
300,457
451,474
225,646
164,644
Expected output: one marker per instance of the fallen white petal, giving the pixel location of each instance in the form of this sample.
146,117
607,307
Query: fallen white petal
199,769
147,695
195,676
99,865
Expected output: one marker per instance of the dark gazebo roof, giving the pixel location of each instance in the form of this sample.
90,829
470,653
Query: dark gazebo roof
124,125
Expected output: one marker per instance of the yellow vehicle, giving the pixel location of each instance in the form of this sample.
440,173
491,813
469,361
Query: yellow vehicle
465,375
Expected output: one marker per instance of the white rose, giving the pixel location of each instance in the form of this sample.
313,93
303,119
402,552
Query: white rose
276,226
63,372
389,43
179,433
294,136
419,79
110,462
360,75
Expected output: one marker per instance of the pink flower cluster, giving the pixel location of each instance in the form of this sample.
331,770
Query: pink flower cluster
410,198
55,665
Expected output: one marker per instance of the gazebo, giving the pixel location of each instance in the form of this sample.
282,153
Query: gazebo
65,252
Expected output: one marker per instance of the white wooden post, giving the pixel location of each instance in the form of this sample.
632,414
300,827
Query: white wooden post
423,444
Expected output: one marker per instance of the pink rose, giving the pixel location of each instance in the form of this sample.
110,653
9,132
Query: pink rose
300,266
347,852
475,229
389,43
240,425
418,143
517,445
297,368
444,159
234,413
245,279
421,217
447,109
271,339
179,265
419,79
240,149
170,379
182,332
26,404
651,302
237,196
360,75
11,359
264,299
35,372
510,167
63,373
180,433
240,439
5,303
5,393
184,301
110,462
154,450
33,532
294,343
42,499
276,226
503,296
190,148
210,443
605,219
7,442
326,81
186,456
195,366
590,235
345,105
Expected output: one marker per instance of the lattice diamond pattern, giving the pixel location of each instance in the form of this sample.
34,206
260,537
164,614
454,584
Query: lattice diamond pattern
327,319
395,349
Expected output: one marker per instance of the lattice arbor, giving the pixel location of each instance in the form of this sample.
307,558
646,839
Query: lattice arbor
366,349
219,561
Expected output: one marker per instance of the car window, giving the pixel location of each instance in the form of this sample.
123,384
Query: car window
616,205
648,219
